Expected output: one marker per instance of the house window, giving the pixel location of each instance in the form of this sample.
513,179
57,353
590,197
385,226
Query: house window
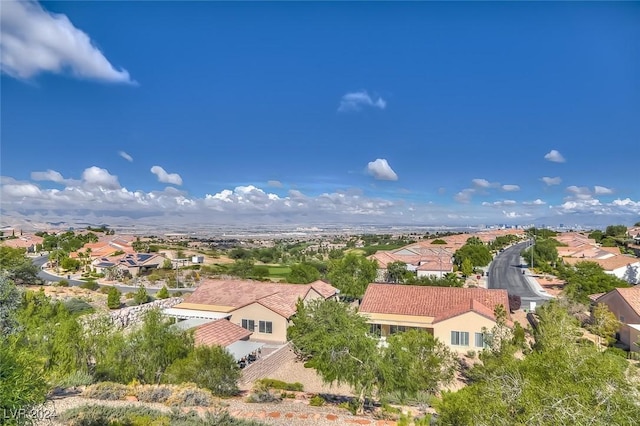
621,318
460,338
479,340
249,324
265,327
375,330
397,329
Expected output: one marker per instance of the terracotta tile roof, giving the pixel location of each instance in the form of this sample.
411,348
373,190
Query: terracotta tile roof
281,298
608,264
437,302
631,295
596,296
24,241
221,332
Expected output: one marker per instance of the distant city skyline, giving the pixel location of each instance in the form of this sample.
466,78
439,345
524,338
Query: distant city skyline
298,113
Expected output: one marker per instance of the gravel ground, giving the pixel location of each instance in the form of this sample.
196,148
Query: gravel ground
294,371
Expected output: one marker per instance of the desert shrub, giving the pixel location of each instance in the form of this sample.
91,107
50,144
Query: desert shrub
113,300
133,415
190,396
76,378
104,290
279,384
352,406
262,394
316,401
158,393
471,353
284,395
163,293
62,283
177,294
78,306
129,295
90,285
106,391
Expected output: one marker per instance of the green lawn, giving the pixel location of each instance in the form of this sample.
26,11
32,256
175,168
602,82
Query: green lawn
278,271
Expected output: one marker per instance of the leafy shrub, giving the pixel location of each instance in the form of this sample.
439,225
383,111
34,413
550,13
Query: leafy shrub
76,378
77,306
316,401
284,395
141,296
351,406
158,393
106,391
113,300
279,384
90,285
471,353
262,394
190,396
135,415
62,283
163,293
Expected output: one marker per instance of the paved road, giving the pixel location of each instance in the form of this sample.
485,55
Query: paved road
41,260
506,272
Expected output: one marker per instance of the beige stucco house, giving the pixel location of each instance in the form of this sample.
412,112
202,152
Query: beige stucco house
625,305
456,316
262,308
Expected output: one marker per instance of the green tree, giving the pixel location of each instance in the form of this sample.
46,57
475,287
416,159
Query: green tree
18,266
587,278
10,299
163,293
396,272
561,382
210,367
113,298
616,231
414,362
352,273
141,296
604,323
479,255
334,337
260,271
466,267
303,273
596,235
241,268
449,279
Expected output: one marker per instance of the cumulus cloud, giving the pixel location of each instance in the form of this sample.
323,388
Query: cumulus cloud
381,170
33,41
464,196
579,192
536,202
163,176
510,188
125,156
49,175
274,183
481,183
551,180
97,177
554,156
602,190
356,101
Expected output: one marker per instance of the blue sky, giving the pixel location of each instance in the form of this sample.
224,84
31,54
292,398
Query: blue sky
426,113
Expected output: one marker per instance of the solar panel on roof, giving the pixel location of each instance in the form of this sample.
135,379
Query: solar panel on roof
131,262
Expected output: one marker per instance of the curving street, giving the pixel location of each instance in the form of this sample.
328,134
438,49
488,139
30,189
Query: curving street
41,260
506,272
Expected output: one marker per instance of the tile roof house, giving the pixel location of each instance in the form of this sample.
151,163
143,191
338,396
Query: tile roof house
262,308
625,305
27,242
134,263
425,260
622,266
454,315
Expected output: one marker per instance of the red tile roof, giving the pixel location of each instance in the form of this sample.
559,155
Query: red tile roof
280,298
221,332
438,302
630,294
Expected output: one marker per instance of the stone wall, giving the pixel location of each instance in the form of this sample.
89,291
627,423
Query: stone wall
126,317
267,365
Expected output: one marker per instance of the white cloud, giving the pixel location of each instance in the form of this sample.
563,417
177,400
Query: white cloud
163,176
125,156
551,180
579,192
355,101
500,203
464,196
510,188
49,175
20,190
274,183
381,170
482,183
97,177
554,156
536,202
602,190
33,41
